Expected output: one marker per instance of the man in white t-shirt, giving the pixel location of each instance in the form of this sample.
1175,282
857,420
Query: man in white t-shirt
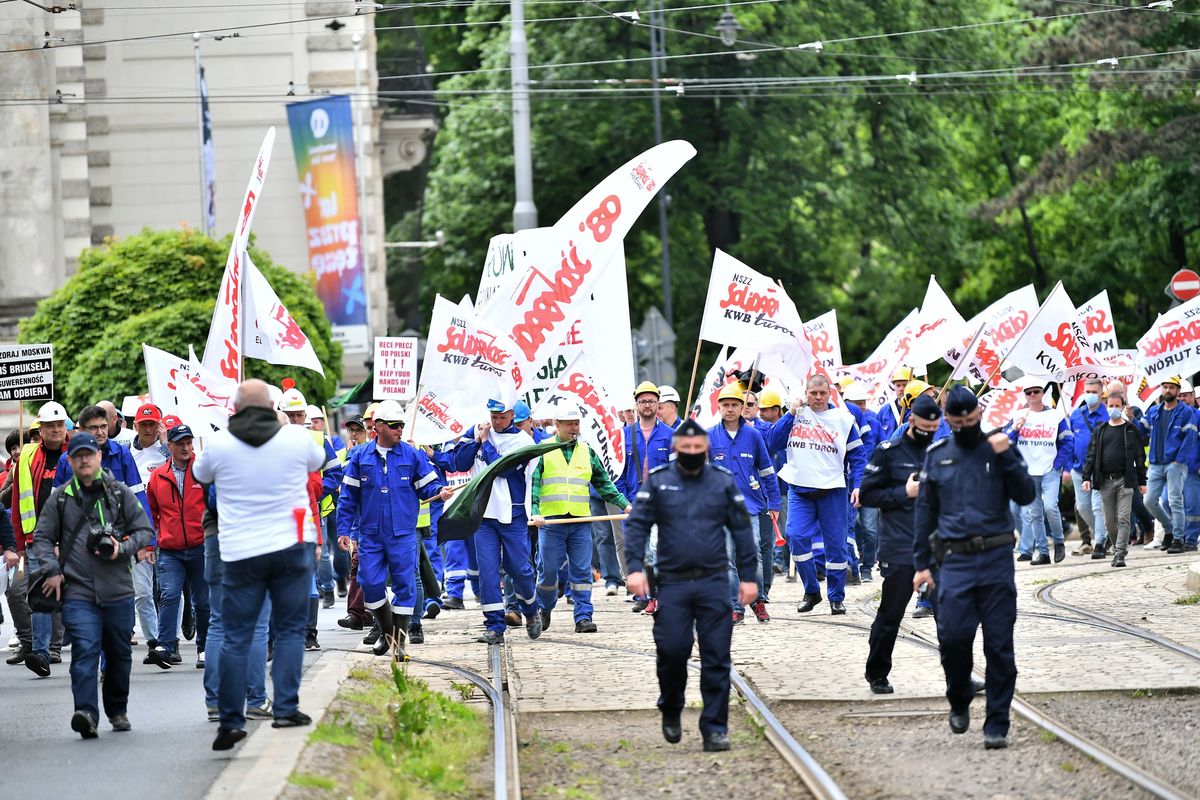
260,470
1044,439
825,460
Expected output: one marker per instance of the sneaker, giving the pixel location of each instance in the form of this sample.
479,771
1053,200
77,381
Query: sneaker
639,605
1189,548
55,656
1060,552
432,609
214,714
159,657
350,622
120,723
760,611
256,712
491,637
416,635
133,641
533,626
922,612
585,626
311,643
14,642
174,657
738,616
327,599
227,738
1040,560
84,724
867,577
610,590
1118,561
38,664
18,656
453,604
651,607
512,619
853,580
1025,557
1175,548
200,660
296,720
1083,549
1153,544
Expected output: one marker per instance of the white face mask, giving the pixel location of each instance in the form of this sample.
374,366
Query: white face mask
1091,398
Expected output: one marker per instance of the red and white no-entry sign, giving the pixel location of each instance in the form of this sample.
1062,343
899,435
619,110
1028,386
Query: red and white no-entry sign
1184,285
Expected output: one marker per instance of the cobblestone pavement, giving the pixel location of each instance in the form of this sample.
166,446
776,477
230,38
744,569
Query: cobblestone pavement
819,657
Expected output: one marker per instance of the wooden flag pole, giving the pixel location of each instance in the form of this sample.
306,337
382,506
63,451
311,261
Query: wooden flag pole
573,520
692,383
21,423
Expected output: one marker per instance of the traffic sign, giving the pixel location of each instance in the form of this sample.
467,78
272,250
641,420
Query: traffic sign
1184,285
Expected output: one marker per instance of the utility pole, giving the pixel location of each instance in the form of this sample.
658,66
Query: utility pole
656,51
524,212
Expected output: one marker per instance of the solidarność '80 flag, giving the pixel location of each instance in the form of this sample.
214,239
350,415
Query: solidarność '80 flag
464,511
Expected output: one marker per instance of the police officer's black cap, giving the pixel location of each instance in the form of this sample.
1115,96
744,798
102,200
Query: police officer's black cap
926,407
961,401
690,428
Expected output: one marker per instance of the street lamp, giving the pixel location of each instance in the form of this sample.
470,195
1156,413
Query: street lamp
728,28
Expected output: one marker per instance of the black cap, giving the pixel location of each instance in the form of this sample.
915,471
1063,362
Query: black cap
356,421
82,441
690,427
961,401
179,432
926,407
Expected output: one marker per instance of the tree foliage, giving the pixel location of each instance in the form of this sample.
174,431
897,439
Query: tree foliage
159,288
831,170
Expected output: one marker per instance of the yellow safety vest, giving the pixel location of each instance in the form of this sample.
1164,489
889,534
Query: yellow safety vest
26,501
423,515
565,485
327,502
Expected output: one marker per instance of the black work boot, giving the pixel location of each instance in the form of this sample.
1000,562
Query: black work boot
385,621
399,629
810,602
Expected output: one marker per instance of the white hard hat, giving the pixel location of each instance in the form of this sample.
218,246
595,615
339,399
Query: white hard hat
390,411
1185,387
52,412
567,414
667,394
292,400
314,412
855,392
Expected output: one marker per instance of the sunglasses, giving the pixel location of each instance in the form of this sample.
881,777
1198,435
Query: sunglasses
1028,392
393,425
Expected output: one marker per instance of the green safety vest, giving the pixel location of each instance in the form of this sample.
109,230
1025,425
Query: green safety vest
565,485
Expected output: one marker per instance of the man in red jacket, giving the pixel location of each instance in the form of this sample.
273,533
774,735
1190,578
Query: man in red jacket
177,502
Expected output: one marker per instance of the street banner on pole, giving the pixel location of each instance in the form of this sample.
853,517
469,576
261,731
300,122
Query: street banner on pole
224,351
27,372
395,368
600,426
209,157
323,141
546,292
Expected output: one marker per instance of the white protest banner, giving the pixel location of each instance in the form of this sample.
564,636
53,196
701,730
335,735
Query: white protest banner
745,308
27,372
714,379
964,365
395,368
1055,348
497,266
938,322
1097,319
824,339
600,426
1005,319
891,353
722,374
224,351
1172,345
464,354
164,373
272,333
544,295
442,417
999,406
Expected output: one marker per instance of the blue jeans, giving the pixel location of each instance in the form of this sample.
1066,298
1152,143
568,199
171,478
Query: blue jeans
174,566
734,580
285,577
766,555
572,543
868,536
1043,509
325,565
1191,503
1174,477
95,629
606,545
1091,508
256,668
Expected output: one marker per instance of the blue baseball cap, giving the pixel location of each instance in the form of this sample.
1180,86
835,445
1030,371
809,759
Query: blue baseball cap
179,432
497,406
521,411
83,441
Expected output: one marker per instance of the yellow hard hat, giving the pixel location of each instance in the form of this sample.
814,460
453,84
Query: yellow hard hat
844,381
902,374
369,413
1175,379
732,391
770,399
914,390
644,387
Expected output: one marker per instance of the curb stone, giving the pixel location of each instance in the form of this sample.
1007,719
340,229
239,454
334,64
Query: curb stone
1193,577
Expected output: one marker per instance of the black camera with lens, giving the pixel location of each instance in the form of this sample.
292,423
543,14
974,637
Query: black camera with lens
101,540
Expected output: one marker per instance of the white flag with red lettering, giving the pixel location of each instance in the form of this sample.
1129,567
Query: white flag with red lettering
938,322
1172,345
223,352
1004,321
746,309
892,352
1054,346
577,390
552,282
272,333
824,340
464,355
1097,319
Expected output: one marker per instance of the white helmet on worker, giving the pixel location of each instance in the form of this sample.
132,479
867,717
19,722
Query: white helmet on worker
568,413
292,400
389,411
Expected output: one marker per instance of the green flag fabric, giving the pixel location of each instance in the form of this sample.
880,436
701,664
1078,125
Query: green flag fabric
464,512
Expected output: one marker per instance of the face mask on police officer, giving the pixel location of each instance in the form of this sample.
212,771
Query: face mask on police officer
922,438
691,462
967,435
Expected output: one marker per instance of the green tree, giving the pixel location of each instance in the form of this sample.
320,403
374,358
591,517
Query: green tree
159,288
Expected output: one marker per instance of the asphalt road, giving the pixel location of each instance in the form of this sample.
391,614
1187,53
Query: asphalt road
167,754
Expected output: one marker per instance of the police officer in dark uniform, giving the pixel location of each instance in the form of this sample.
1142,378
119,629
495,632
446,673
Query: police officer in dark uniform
890,484
696,505
965,489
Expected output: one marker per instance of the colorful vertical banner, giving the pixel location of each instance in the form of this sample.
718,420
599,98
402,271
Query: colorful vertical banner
323,138
210,159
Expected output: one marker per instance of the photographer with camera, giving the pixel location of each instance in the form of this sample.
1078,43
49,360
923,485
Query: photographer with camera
86,533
